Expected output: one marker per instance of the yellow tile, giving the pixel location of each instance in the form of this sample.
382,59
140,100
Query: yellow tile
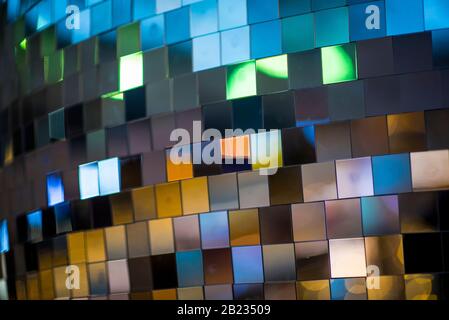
144,203
195,195
167,294
161,236
178,171
244,227
95,246
168,199
122,209
76,247
33,292
46,285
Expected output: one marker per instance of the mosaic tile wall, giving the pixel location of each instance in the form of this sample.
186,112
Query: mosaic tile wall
360,104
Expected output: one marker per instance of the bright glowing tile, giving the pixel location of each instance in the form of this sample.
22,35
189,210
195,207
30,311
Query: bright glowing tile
88,180
339,63
272,74
55,189
241,80
347,258
109,176
131,71
4,236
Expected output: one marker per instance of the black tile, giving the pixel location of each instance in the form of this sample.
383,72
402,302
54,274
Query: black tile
298,145
130,173
375,58
164,271
101,212
135,103
412,52
218,116
422,253
247,113
304,69
382,96
278,110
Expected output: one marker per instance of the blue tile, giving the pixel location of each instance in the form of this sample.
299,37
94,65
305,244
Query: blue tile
262,10
189,267
206,52
266,39
232,14
332,27
247,264
404,18
235,45
177,26
294,41
436,14
152,32
367,21
203,18
392,174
